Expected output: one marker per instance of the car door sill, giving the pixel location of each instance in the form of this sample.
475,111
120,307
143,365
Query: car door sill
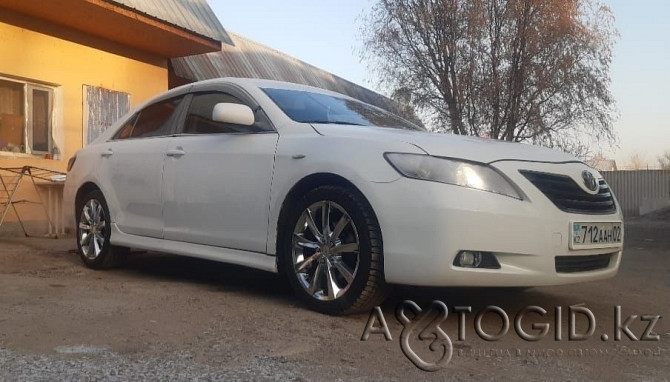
226,255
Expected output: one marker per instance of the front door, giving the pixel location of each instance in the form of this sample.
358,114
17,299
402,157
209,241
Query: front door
218,177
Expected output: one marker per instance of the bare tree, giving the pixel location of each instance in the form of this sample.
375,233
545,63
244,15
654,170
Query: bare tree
598,157
637,161
664,160
516,70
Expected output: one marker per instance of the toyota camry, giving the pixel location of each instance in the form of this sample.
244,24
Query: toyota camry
342,197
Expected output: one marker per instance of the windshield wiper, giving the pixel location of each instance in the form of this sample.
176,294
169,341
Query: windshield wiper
336,123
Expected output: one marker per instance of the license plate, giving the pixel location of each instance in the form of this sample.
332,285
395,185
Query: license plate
595,235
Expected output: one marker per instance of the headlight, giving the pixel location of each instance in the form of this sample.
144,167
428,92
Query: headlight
452,171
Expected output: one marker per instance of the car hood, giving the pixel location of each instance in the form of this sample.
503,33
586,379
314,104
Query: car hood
449,145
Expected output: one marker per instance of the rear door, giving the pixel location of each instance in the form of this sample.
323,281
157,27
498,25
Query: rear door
217,179
131,170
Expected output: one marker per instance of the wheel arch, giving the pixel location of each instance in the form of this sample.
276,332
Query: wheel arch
303,186
83,190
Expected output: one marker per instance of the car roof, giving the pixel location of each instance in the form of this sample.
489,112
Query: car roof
272,84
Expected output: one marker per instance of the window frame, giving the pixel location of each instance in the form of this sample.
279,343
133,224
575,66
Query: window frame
28,111
177,118
256,109
233,90
30,123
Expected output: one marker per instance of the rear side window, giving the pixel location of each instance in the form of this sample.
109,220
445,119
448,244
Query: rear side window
199,116
152,121
156,119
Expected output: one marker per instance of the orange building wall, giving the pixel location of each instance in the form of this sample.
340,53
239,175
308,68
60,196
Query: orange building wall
68,62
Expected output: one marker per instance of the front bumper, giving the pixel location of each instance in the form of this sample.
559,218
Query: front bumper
426,224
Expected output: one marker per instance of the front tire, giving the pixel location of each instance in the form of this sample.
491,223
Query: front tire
332,252
93,234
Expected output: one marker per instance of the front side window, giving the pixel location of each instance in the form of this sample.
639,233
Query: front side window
153,121
312,107
26,111
199,116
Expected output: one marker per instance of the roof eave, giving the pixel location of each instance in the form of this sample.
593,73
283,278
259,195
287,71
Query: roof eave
118,24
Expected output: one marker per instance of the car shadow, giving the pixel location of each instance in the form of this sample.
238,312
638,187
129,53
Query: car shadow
209,274
509,299
218,276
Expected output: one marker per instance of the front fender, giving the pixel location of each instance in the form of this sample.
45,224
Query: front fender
359,161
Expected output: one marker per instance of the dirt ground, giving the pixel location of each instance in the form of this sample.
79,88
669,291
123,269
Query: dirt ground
163,317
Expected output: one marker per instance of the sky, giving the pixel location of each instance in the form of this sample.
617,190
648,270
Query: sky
326,33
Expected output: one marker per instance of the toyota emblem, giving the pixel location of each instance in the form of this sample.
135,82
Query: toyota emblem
589,180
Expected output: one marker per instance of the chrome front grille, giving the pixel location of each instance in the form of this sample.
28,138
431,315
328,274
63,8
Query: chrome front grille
569,197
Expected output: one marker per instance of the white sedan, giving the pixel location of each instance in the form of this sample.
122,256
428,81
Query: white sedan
341,196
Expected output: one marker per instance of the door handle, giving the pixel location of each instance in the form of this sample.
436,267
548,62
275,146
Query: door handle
107,154
175,153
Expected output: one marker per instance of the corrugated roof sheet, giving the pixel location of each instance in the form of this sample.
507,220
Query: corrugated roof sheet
249,59
193,15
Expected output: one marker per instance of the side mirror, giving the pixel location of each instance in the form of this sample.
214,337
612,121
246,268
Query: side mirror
233,113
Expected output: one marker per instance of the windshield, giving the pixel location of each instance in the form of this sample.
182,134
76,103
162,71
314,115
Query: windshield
311,107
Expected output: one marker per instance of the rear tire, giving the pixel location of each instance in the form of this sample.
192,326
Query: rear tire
331,252
93,234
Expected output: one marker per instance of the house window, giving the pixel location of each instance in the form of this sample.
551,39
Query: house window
26,111
102,107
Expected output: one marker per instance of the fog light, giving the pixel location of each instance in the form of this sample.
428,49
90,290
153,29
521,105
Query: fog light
476,259
469,259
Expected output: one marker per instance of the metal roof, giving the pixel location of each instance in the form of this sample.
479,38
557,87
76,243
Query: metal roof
192,15
249,59
602,164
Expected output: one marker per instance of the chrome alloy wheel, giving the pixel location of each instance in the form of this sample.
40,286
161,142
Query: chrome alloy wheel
325,250
92,229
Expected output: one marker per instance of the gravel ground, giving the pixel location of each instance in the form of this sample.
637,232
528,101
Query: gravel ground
163,317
